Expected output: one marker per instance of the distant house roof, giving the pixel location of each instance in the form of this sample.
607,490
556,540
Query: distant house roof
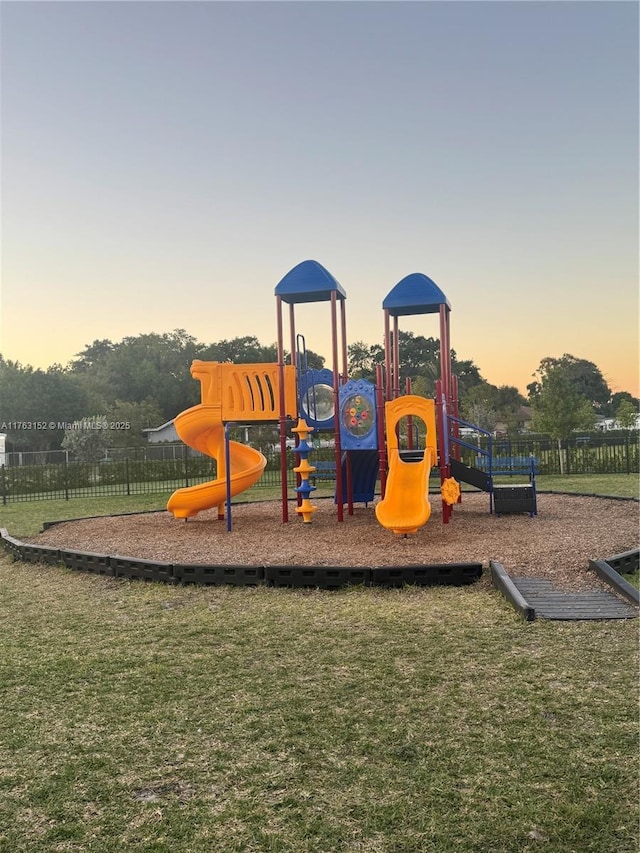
158,428
525,413
164,432
309,281
415,294
524,416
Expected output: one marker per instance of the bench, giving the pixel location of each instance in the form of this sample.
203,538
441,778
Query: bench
508,465
324,471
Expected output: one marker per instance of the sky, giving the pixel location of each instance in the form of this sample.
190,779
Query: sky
165,164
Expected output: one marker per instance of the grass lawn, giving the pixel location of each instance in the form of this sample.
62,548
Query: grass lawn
618,485
181,719
160,719
25,518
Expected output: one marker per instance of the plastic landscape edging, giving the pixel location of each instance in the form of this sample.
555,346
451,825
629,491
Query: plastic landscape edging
628,561
503,582
587,495
47,524
320,577
610,576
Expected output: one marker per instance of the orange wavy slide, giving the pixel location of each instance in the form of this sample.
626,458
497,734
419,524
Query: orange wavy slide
405,507
229,392
201,428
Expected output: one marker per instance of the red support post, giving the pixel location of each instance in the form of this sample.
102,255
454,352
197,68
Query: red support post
443,445
382,443
343,327
455,413
344,379
396,359
456,425
282,415
388,356
336,407
407,390
445,353
294,360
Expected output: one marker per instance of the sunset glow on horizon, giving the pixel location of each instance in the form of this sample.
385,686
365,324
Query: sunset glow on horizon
164,165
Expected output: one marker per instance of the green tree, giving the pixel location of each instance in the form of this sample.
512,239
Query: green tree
419,363
87,439
619,397
93,355
627,414
14,398
92,370
509,402
360,360
128,420
153,368
33,402
558,409
487,405
363,359
243,350
478,406
312,359
584,377
468,374
419,356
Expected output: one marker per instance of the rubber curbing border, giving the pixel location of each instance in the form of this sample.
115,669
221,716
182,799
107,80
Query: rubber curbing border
615,580
506,586
587,495
47,524
318,577
628,561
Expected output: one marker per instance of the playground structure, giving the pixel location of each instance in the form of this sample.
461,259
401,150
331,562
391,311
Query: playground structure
378,433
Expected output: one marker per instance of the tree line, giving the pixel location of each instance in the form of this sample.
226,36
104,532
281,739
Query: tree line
121,388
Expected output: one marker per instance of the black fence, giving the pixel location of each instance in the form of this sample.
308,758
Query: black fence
582,454
163,468
131,475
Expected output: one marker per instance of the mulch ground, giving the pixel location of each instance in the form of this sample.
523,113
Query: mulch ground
556,544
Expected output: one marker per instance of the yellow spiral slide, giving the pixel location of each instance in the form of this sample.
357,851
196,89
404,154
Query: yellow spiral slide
229,392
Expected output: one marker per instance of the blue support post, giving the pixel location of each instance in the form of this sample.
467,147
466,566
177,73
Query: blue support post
227,472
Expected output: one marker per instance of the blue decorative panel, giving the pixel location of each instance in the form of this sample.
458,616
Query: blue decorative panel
358,418
315,398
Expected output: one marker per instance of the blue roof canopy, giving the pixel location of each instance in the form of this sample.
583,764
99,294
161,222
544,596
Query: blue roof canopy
415,294
309,281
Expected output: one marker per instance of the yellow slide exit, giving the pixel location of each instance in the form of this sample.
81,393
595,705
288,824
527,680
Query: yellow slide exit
405,507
